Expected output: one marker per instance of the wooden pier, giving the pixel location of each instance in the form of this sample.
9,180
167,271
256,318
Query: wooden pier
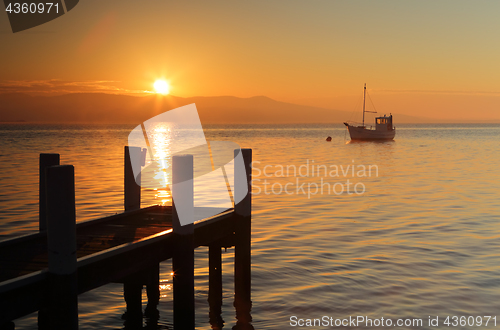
46,271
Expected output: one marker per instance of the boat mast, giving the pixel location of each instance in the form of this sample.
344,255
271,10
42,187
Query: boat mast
364,98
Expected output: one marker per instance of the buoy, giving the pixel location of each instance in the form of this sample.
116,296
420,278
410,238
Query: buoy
329,138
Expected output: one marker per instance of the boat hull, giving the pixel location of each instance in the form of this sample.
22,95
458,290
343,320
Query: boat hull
362,134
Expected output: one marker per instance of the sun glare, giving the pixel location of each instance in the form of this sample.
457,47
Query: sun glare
161,87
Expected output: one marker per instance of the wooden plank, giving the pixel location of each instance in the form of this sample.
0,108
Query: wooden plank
22,296
30,252
214,228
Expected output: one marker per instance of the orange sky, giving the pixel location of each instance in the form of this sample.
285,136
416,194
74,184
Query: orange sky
422,58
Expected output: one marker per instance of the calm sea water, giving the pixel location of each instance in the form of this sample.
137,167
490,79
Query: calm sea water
418,236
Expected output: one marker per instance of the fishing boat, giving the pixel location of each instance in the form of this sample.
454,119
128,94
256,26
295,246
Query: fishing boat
383,127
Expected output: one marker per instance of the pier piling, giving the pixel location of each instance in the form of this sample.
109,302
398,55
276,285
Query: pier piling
215,285
61,234
183,256
132,286
242,249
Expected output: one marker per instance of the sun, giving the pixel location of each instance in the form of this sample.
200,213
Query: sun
161,87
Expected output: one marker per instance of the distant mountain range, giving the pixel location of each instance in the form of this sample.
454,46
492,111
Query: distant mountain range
112,108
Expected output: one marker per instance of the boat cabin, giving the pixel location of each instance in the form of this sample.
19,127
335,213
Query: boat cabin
384,123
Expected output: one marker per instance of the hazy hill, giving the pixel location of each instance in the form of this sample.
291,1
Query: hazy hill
110,108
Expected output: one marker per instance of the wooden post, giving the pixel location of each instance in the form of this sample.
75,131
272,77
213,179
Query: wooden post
242,249
132,288
183,258
46,160
132,188
61,234
215,286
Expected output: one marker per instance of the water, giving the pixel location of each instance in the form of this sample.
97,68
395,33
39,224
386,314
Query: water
422,240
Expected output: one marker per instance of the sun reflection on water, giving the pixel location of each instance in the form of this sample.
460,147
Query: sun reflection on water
163,196
165,287
159,175
165,139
